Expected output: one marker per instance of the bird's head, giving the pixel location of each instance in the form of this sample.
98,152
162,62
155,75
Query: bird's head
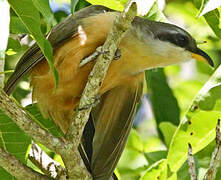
167,43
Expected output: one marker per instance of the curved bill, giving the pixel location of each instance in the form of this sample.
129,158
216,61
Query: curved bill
200,55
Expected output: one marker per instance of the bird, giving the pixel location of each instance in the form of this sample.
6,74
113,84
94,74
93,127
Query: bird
146,45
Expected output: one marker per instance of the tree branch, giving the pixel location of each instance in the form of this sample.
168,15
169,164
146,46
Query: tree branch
95,80
25,122
191,163
97,75
18,169
216,156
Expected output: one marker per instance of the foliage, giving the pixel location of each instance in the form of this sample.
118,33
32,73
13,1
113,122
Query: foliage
157,146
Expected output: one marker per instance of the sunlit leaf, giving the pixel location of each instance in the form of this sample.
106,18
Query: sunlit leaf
198,126
112,4
134,141
143,6
172,177
199,133
155,156
168,130
157,171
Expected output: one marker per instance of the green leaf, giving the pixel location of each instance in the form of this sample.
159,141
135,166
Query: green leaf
112,4
157,171
17,26
4,34
13,45
134,141
73,5
81,4
199,131
212,17
208,6
183,172
45,123
5,175
12,138
30,17
172,177
156,14
143,6
198,126
168,130
44,8
155,156
165,106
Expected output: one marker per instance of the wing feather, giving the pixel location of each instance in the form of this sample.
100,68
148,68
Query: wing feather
59,33
113,120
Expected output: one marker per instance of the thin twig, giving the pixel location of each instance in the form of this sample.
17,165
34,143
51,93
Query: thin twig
191,163
216,156
5,72
46,164
90,58
18,169
25,122
97,75
95,80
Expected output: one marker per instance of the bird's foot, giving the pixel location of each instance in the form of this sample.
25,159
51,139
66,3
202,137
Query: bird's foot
91,105
117,54
95,54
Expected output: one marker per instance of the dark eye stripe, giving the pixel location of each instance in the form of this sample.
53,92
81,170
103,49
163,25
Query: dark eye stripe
181,40
175,38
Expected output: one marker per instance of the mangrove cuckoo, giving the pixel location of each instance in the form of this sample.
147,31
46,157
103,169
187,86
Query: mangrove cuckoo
146,45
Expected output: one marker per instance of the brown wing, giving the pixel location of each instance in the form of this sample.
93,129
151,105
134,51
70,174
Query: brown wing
59,33
113,120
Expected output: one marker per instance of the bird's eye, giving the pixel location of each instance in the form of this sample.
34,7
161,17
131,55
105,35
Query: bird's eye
181,40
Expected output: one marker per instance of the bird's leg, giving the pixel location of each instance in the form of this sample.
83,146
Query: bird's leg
117,54
89,58
95,54
95,103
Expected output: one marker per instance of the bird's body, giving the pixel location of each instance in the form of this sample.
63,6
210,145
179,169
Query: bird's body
144,46
72,78
136,57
